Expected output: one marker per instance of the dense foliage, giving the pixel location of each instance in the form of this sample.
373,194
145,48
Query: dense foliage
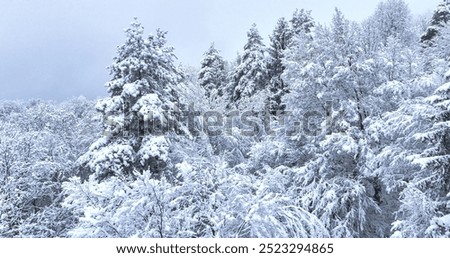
339,130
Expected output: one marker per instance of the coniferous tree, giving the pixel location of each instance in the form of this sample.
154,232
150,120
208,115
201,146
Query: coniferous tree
302,21
212,76
141,106
413,161
279,42
250,76
365,151
440,18
431,182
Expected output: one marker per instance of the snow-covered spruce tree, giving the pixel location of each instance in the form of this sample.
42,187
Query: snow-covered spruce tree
289,48
285,65
212,75
128,194
281,39
249,79
425,202
302,21
279,42
440,17
247,91
140,112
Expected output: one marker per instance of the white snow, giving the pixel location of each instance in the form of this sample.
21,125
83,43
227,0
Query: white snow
131,89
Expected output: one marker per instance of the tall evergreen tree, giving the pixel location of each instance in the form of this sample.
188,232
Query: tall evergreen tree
142,91
414,163
250,76
212,74
432,181
279,42
441,17
302,21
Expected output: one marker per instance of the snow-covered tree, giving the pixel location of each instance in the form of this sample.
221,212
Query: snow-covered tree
39,144
281,39
250,77
393,19
440,18
317,72
363,149
212,75
430,184
279,42
335,82
302,21
140,111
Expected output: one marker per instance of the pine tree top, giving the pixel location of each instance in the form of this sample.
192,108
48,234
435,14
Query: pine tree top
302,21
254,38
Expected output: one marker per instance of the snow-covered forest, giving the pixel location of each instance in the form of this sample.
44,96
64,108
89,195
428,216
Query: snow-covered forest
337,130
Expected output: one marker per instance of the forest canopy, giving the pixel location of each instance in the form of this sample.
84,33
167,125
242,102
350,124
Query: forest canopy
338,130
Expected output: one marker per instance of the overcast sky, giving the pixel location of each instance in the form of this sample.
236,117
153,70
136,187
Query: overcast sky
57,49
